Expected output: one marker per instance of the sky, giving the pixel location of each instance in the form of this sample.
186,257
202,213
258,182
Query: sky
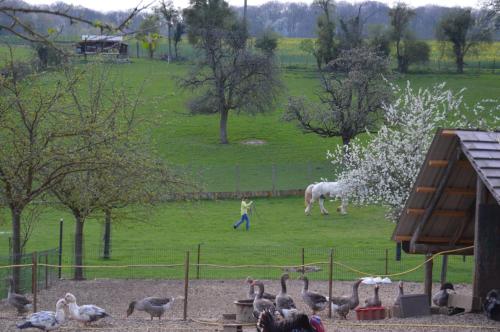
111,5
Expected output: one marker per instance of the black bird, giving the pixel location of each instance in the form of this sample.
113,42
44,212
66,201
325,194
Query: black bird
300,323
491,305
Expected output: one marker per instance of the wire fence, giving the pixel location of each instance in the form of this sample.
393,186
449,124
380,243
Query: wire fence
214,263
263,177
46,276
286,58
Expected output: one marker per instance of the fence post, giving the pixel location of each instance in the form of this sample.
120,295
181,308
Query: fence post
237,175
386,261
309,171
137,48
274,179
186,285
198,262
34,277
303,262
398,251
444,269
428,278
330,284
61,222
494,65
46,271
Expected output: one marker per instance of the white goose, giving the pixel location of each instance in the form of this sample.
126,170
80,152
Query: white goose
46,320
86,313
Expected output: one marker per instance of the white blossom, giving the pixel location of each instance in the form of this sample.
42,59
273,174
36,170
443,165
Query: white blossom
383,170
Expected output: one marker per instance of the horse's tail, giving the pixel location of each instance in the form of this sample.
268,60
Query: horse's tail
308,194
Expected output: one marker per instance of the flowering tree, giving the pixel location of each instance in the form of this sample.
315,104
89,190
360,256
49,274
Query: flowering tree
384,170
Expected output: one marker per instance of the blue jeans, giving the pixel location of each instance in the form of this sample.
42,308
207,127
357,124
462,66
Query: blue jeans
243,218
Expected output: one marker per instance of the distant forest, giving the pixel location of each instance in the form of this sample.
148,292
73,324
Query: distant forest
291,19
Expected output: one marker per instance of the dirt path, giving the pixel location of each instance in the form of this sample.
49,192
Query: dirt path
209,299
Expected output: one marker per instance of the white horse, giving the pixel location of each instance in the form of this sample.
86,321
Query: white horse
319,191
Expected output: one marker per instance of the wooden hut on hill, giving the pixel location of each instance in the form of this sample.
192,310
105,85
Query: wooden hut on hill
455,205
102,44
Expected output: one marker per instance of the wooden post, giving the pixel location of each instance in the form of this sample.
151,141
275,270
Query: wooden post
61,222
46,271
428,278
444,269
34,277
274,179
186,285
309,171
386,261
137,48
330,283
198,262
494,64
237,175
480,199
303,262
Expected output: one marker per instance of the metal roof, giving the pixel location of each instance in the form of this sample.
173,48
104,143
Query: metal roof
102,38
441,206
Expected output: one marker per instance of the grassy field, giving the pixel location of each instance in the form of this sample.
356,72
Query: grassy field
279,229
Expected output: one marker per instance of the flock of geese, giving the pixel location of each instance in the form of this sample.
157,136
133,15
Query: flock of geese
267,307
279,313
67,307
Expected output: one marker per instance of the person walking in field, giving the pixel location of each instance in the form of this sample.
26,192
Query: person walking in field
245,205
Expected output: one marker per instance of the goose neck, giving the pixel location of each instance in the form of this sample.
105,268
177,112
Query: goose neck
60,315
283,285
306,284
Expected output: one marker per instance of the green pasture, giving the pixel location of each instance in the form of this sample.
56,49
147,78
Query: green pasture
279,230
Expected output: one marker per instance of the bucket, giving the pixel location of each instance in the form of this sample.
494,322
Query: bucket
244,311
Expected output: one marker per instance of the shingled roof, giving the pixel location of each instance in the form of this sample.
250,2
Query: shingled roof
441,206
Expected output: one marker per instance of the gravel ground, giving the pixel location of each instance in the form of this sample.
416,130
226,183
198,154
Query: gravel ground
209,299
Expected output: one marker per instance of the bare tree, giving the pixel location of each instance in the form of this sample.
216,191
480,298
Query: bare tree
464,32
170,15
233,76
350,97
400,16
325,44
41,144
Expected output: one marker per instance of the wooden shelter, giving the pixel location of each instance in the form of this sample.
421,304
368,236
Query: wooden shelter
455,204
101,44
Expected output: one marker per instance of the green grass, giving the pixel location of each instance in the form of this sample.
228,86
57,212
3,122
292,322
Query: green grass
279,229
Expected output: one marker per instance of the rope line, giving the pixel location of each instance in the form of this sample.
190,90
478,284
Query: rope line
109,266
18,265
362,273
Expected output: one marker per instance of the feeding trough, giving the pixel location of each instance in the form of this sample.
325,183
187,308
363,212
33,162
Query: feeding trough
371,313
244,311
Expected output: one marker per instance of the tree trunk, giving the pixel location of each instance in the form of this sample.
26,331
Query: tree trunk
16,246
151,50
460,63
223,126
169,44
175,50
79,223
107,235
345,150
